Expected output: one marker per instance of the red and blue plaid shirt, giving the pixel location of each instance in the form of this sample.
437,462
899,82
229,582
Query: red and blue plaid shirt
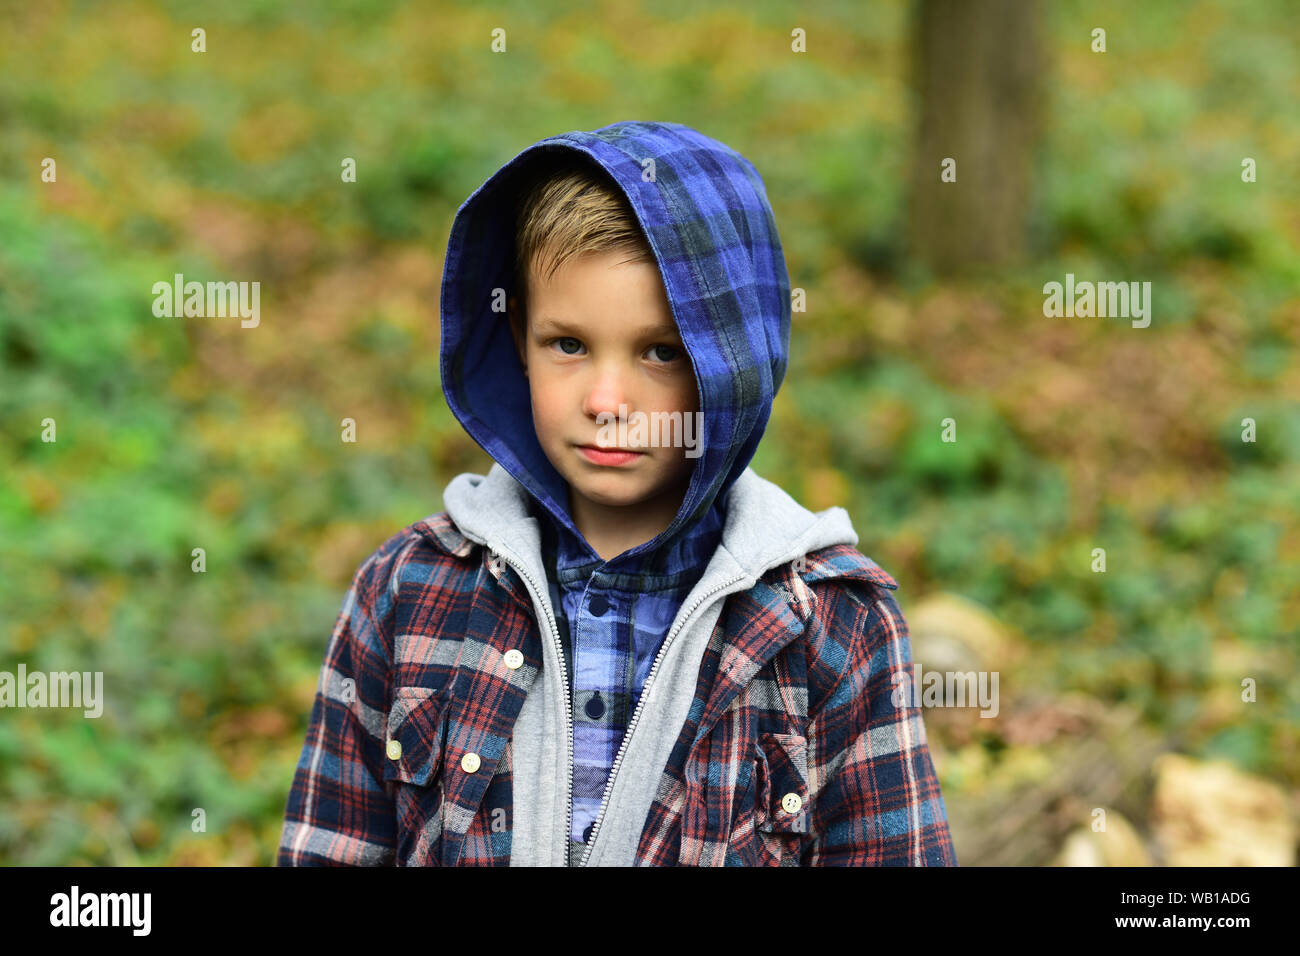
794,699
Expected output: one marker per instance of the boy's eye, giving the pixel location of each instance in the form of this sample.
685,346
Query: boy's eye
672,352
566,351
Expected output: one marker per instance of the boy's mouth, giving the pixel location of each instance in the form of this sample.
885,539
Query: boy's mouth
609,456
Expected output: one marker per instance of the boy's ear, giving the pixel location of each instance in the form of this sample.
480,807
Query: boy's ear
517,322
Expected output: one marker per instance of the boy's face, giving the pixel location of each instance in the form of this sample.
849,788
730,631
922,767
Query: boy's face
600,334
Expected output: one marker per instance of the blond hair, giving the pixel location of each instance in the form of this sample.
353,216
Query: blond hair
569,209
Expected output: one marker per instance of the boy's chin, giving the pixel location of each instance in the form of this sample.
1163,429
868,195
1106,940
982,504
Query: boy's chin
618,490
606,493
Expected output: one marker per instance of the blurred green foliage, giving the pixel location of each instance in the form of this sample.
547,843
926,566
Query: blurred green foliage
175,434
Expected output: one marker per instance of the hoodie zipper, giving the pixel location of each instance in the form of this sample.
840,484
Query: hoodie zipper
568,704
645,692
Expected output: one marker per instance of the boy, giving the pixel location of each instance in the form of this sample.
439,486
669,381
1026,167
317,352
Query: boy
621,646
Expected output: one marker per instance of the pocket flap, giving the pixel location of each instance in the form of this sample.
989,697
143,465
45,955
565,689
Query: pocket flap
415,731
782,786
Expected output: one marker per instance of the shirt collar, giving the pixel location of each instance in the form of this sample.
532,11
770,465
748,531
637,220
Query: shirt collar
681,560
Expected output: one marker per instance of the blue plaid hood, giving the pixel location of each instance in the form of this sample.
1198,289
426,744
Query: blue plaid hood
706,216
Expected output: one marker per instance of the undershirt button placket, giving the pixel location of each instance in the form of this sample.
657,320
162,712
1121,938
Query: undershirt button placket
597,607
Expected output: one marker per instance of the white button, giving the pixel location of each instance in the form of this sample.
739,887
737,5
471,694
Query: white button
791,802
394,750
469,763
514,658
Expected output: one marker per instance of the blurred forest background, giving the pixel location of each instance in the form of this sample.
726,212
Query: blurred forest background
1120,691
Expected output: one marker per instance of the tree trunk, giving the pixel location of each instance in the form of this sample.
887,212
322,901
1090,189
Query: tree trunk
977,72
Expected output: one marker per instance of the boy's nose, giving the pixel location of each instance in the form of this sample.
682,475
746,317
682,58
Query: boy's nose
606,394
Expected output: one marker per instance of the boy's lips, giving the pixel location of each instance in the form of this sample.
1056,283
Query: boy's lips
608,456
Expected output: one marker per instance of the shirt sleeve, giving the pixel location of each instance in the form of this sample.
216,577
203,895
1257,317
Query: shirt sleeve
340,812
874,792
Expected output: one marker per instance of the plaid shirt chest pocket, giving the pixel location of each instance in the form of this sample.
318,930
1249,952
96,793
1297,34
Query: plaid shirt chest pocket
781,811
416,733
